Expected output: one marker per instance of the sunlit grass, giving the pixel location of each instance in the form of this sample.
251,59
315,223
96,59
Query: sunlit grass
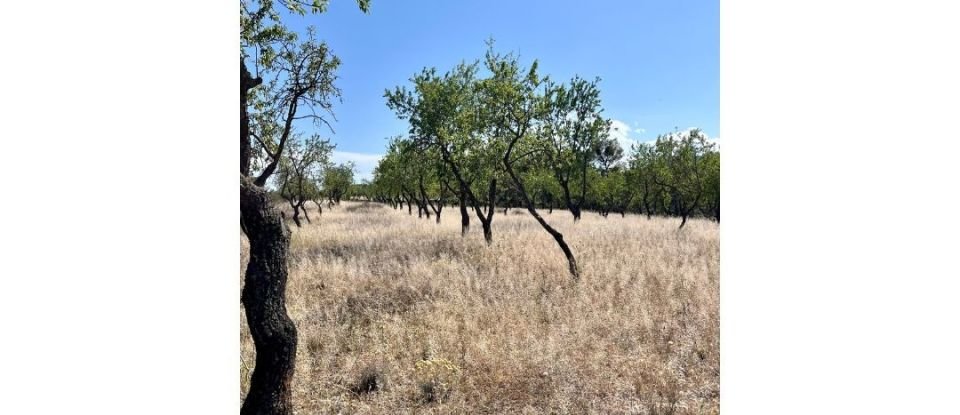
375,290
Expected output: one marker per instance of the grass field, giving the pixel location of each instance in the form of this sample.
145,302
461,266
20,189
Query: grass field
437,323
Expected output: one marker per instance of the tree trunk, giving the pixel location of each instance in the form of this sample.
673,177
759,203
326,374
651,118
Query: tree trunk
487,231
296,218
464,215
428,203
574,209
557,236
247,82
486,221
264,291
491,209
686,211
304,209
296,212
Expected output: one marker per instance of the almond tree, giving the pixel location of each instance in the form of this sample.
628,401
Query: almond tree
337,181
680,167
607,154
398,172
516,101
640,178
299,85
300,171
573,127
432,180
444,115
711,161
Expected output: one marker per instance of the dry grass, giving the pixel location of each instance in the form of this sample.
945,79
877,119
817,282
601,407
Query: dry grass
374,292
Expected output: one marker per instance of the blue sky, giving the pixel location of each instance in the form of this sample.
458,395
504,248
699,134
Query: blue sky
658,60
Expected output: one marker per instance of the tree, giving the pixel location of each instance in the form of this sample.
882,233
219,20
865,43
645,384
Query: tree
444,114
337,181
640,176
612,192
432,180
514,97
711,162
397,173
573,126
300,171
542,186
679,167
302,82
607,154
386,177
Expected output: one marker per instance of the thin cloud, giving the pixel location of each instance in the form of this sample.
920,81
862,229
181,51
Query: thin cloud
621,132
364,162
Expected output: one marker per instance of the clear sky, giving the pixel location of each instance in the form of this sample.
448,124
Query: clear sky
658,59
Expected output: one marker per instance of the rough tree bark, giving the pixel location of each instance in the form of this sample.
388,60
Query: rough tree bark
274,334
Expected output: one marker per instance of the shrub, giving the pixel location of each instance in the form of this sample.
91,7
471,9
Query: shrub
436,378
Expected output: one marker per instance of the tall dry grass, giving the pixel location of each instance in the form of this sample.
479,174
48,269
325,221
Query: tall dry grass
378,295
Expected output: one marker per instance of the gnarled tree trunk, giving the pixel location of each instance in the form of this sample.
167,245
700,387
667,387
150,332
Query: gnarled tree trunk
274,334
264,290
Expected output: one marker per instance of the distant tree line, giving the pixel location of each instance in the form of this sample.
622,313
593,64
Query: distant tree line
677,175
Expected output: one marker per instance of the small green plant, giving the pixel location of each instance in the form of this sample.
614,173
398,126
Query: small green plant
436,377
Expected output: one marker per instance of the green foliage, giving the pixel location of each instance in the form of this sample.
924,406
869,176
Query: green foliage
607,153
302,167
573,130
481,119
680,172
337,181
291,78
